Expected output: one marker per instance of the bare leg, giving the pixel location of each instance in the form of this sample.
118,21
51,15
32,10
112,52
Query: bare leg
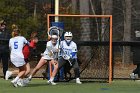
15,72
55,64
41,63
27,69
21,73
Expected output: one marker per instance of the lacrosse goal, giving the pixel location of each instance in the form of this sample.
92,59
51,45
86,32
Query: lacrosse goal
93,35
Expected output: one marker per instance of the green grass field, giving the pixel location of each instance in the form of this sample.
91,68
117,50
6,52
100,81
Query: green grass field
40,86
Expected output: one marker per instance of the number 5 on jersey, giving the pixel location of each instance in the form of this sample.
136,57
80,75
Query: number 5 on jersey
16,45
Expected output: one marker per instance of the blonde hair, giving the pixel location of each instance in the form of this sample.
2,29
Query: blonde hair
15,30
14,26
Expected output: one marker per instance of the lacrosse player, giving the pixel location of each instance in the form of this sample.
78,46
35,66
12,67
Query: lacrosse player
68,53
16,45
49,55
26,52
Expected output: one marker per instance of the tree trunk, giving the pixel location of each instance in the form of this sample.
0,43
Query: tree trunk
106,6
85,31
74,2
127,31
84,9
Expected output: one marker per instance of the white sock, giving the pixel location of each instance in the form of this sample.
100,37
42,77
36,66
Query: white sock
52,78
30,77
77,79
16,79
19,79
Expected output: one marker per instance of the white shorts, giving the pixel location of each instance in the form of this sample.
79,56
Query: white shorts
46,57
18,62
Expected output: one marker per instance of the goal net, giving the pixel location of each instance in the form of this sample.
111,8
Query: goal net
93,35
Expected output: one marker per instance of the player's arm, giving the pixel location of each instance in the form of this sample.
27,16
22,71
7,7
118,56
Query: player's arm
73,54
10,44
56,49
49,49
25,41
74,50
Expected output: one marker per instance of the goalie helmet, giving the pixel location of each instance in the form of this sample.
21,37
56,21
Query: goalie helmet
68,37
68,34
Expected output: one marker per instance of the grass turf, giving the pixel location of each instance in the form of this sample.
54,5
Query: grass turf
40,86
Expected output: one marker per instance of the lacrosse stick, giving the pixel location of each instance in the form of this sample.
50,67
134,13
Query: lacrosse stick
55,30
51,53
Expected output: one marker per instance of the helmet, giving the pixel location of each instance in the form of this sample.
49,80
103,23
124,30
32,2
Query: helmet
68,37
68,34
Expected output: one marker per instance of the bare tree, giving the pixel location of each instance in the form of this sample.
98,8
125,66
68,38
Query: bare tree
85,29
106,6
127,30
85,23
74,2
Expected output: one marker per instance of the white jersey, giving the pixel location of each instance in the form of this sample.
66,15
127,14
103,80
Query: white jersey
67,50
16,45
50,52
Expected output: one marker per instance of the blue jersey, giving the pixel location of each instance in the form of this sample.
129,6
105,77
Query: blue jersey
68,50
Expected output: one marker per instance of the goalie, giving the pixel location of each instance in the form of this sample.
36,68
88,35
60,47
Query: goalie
68,53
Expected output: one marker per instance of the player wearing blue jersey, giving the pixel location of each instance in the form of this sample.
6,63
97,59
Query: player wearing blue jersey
68,53
16,45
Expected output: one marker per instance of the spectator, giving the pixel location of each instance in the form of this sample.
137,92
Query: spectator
136,59
4,49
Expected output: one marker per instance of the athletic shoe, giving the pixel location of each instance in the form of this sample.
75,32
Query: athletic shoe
21,83
8,75
133,76
78,81
136,76
27,80
51,82
14,83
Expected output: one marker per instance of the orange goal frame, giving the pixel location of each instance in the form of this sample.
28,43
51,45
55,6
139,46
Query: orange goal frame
95,16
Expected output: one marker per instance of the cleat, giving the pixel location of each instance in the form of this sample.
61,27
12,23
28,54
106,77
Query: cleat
133,76
51,82
136,76
21,83
78,81
14,84
27,80
8,75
